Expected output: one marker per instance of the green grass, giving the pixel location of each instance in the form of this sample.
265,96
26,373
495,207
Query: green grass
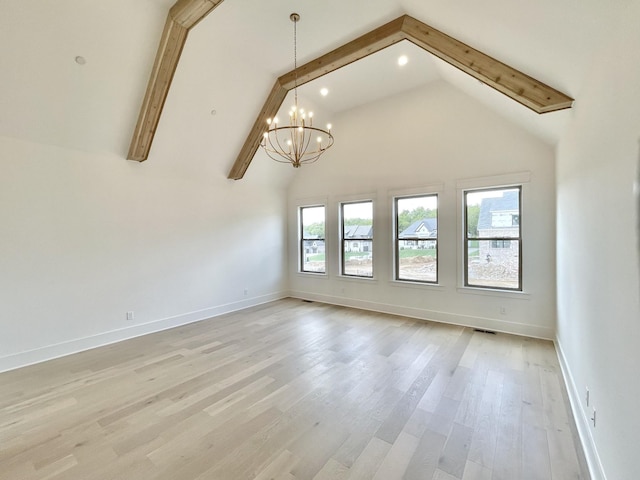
426,252
350,255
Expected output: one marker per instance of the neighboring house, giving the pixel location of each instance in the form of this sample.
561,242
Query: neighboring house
313,243
417,234
356,236
499,217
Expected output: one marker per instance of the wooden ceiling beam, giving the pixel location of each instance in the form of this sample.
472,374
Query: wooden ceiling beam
183,16
353,51
252,143
520,87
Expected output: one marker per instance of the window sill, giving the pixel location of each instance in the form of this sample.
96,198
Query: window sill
494,292
319,275
350,278
418,285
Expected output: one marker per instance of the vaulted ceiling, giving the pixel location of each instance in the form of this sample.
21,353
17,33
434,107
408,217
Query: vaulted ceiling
232,58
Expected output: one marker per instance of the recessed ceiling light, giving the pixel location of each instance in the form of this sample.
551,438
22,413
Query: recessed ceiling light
80,60
402,60
324,91
213,112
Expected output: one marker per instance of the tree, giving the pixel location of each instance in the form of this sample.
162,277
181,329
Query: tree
357,221
473,214
407,217
315,229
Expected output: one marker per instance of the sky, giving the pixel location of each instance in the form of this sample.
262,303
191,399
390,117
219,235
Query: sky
363,210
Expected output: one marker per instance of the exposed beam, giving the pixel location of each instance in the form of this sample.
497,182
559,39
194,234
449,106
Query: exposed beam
181,18
355,50
520,87
269,110
188,13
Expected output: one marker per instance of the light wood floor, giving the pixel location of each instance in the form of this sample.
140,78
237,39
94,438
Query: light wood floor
294,390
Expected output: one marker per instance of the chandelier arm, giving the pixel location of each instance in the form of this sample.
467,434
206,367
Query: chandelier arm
308,140
277,158
277,138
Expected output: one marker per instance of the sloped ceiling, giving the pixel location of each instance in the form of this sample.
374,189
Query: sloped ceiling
233,56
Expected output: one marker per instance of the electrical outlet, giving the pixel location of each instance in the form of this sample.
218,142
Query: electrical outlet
129,315
503,310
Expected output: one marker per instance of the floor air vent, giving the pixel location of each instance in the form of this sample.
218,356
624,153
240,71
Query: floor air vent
484,331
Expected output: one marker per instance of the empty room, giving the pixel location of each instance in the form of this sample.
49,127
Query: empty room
319,240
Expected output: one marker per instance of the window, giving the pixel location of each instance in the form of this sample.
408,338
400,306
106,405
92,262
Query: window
356,234
492,244
416,246
312,239
500,243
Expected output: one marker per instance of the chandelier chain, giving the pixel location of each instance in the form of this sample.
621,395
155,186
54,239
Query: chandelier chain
293,143
295,59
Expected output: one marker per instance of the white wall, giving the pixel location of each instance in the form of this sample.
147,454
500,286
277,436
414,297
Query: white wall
598,161
86,237
434,135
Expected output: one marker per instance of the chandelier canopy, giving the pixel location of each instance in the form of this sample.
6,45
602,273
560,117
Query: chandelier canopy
299,142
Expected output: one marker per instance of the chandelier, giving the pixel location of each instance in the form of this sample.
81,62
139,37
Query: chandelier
299,142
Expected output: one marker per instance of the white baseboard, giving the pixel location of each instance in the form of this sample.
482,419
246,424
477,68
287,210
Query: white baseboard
49,352
581,418
496,325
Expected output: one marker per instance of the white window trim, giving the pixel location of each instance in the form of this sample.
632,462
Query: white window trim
356,198
436,188
516,179
298,204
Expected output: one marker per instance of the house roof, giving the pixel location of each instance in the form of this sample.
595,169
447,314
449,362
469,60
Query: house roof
358,231
507,202
424,228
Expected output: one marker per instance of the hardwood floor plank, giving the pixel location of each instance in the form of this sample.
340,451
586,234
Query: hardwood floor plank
474,471
333,470
483,444
536,464
294,390
454,454
398,457
424,462
369,460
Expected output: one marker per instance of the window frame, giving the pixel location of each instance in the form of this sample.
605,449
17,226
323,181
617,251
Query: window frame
302,239
358,239
466,238
397,239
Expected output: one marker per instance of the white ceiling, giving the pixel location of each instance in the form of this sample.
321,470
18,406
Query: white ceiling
235,54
